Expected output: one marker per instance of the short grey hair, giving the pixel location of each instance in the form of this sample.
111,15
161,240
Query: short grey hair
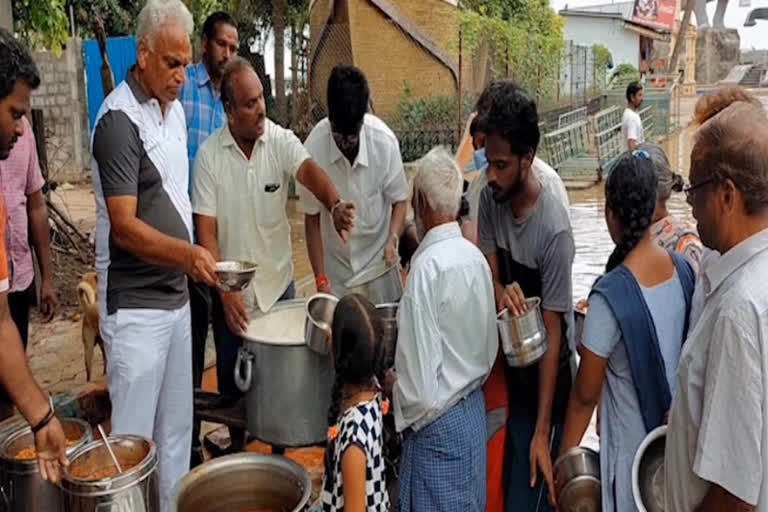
668,181
439,178
235,65
157,13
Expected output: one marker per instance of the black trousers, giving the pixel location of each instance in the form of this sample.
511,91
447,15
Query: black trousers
200,312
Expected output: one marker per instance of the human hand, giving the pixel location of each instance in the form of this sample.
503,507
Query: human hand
200,265
234,311
344,214
389,382
51,447
391,254
541,460
48,302
513,299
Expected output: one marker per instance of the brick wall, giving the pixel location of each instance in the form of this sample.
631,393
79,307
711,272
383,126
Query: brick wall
62,98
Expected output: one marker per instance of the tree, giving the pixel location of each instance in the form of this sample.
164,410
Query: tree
526,37
279,20
42,23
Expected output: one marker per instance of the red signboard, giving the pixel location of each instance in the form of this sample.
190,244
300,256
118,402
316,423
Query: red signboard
659,14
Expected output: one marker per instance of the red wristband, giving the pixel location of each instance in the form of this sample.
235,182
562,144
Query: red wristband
321,281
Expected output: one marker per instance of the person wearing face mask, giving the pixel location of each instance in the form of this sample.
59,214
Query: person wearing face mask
362,157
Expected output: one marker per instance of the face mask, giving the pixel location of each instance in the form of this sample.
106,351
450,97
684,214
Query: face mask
481,161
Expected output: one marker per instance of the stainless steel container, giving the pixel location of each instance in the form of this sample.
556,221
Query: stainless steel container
379,284
523,337
23,487
133,490
234,276
648,471
577,480
320,308
388,314
287,385
243,481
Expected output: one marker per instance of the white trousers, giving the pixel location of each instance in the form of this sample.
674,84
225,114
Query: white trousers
150,384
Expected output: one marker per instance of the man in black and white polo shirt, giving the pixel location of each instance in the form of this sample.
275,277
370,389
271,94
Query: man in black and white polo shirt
143,242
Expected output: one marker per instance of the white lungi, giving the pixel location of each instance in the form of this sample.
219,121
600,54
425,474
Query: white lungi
149,371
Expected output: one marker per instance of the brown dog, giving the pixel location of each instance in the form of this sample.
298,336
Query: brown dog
87,292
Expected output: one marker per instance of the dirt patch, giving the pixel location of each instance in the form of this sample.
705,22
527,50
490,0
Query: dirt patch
68,269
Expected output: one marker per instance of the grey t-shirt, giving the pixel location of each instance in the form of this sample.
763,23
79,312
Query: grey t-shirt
536,252
621,424
141,153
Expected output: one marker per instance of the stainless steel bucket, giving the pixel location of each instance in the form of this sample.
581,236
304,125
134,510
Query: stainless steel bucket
379,284
133,490
388,314
23,487
243,481
523,337
320,308
577,480
287,385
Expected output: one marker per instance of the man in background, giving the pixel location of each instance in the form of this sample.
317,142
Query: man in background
631,124
201,98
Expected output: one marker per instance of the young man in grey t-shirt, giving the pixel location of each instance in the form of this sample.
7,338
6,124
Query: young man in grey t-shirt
525,233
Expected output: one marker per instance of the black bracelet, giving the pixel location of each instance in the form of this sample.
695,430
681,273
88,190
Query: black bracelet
46,420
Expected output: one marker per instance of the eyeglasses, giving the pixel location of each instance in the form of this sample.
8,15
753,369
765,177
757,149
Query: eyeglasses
689,189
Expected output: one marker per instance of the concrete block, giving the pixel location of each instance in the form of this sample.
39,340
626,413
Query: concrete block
62,99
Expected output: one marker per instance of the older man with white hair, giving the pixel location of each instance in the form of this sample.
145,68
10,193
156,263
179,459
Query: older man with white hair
446,346
143,242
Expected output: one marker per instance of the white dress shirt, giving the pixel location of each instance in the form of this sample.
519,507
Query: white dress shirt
447,340
247,196
375,181
718,424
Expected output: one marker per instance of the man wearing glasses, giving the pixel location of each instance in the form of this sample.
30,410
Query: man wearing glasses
717,440
362,157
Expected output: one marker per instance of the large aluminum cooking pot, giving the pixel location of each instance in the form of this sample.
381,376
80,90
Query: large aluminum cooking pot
287,385
133,490
523,337
23,487
243,481
577,480
379,284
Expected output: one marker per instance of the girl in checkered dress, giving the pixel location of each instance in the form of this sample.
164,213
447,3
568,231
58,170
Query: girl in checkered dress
354,464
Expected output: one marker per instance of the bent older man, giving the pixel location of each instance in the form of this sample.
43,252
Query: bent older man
20,77
446,346
239,197
362,157
717,440
143,242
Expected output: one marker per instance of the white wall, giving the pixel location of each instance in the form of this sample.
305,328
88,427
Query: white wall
623,44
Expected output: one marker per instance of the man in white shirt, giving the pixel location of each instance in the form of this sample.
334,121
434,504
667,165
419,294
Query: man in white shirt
717,439
631,124
447,343
239,197
362,157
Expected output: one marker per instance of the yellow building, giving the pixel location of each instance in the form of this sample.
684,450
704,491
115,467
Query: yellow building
397,44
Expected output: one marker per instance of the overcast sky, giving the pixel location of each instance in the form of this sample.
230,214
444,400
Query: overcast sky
751,37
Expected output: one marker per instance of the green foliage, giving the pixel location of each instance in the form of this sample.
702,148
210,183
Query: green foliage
42,23
603,61
626,72
525,37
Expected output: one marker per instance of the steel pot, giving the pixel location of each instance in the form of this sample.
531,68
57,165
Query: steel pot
320,308
287,385
22,486
133,490
577,480
523,337
388,314
243,481
648,471
379,284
